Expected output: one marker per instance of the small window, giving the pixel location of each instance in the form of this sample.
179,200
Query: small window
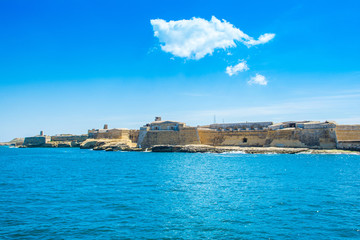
245,140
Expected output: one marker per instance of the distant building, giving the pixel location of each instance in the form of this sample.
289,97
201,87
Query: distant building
115,133
167,132
166,125
37,140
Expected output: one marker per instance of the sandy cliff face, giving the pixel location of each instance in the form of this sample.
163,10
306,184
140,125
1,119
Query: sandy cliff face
14,142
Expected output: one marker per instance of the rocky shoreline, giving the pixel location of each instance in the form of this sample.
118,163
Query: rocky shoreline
246,150
110,145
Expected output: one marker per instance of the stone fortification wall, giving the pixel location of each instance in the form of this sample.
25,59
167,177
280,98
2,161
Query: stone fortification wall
349,145
110,134
314,135
182,137
348,137
311,138
36,141
314,125
244,126
348,132
134,135
77,138
233,138
166,125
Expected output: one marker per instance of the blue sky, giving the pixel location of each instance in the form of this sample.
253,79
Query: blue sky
69,66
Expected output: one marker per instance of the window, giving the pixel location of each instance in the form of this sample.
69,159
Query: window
245,140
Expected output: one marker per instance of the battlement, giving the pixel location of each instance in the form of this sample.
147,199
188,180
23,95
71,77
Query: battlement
303,125
69,137
240,126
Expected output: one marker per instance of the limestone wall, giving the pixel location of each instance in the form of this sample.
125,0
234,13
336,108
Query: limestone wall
233,138
322,138
161,137
349,145
111,134
36,141
134,135
348,132
312,138
77,138
244,126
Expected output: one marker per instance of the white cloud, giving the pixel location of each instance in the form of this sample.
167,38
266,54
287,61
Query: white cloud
197,37
261,40
240,67
258,79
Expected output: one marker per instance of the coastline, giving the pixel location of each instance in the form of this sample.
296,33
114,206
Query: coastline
246,150
120,147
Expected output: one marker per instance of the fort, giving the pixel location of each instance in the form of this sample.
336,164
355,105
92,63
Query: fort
291,134
37,140
316,135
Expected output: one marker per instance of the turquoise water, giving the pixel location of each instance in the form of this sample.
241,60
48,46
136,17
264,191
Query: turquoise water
84,194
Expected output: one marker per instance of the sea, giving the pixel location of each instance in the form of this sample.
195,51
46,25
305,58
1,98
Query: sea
70,193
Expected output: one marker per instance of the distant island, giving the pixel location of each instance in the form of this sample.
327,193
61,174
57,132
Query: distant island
173,136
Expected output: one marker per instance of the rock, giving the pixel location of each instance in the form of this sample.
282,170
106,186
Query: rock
97,148
166,148
105,144
64,144
90,144
213,149
48,145
75,144
133,149
14,142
